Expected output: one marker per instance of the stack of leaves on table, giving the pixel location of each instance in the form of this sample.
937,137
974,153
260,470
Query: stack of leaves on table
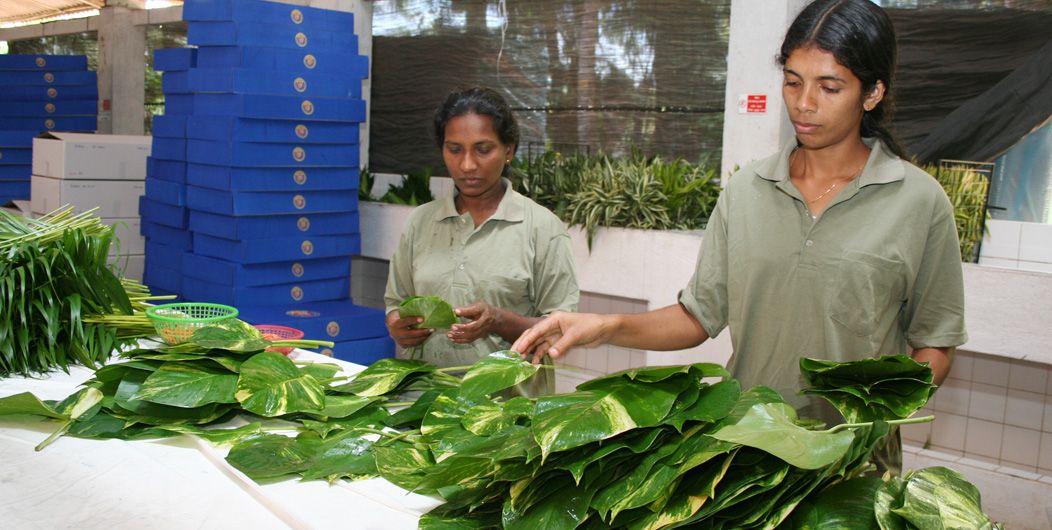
60,302
646,448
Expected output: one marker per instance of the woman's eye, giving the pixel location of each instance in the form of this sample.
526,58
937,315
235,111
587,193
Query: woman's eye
453,149
485,150
789,82
831,90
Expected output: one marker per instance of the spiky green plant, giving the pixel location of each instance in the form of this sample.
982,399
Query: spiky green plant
967,190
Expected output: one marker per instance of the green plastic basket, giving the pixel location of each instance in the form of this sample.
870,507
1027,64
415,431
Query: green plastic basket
176,323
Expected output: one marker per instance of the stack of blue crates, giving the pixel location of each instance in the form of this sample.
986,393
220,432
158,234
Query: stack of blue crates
272,105
40,93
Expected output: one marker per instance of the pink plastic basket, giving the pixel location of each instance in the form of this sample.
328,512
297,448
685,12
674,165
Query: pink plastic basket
274,332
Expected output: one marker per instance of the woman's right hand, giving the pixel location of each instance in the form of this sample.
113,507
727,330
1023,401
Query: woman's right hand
403,332
557,333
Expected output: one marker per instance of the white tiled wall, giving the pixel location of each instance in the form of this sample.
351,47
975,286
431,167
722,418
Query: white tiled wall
1017,245
994,411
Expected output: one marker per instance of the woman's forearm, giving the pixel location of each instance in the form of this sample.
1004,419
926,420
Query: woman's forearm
668,328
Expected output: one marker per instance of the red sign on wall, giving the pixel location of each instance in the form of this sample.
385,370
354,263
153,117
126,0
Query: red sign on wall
752,104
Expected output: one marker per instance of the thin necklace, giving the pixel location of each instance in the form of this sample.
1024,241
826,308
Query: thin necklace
830,188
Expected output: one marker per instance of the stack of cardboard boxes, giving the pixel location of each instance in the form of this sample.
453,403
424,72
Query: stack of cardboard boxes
88,171
39,93
264,129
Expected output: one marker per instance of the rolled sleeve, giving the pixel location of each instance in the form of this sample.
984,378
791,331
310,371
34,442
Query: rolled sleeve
935,310
555,278
706,294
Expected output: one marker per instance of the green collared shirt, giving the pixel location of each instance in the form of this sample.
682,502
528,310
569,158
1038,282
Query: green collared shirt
877,272
519,259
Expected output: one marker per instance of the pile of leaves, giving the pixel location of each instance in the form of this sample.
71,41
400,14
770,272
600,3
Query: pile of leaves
658,447
60,302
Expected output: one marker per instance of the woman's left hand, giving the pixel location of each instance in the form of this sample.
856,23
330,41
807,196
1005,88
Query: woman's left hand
484,318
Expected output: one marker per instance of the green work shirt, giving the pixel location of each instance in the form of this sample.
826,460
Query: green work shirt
519,260
879,270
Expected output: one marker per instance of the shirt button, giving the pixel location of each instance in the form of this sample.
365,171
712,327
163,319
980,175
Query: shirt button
461,266
809,243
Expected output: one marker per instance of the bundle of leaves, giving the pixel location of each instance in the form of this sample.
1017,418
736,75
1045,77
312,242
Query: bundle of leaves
222,372
882,388
60,302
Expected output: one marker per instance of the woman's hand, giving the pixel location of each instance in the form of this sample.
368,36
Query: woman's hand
485,319
559,332
403,332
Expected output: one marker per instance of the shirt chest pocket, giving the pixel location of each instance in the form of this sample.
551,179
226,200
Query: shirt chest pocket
867,286
508,292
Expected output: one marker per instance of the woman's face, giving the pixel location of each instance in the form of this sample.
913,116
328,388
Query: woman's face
474,154
824,98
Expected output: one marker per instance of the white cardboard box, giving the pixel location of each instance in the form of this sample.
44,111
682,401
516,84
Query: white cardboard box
127,231
91,156
114,198
130,267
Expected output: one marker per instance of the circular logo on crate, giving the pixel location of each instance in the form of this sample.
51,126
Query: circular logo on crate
302,131
309,61
326,352
297,269
40,62
302,313
332,328
52,92
301,39
303,224
299,201
49,77
299,177
297,293
307,247
298,154
49,124
299,84
49,108
297,16
307,107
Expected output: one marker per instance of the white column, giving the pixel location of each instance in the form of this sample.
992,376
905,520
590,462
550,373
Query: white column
121,70
363,27
757,28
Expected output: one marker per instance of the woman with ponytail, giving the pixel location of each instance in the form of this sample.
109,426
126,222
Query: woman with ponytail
836,247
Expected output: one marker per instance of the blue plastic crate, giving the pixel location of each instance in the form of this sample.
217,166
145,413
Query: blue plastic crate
264,226
43,62
312,291
56,79
225,128
177,82
271,202
272,249
260,274
272,178
339,64
169,126
44,109
179,104
16,172
280,107
338,321
284,83
167,192
174,216
16,156
362,351
281,35
161,278
10,138
51,93
170,170
168,148
174,59
77,124
166,255
255,154
166,235
13,189
309,18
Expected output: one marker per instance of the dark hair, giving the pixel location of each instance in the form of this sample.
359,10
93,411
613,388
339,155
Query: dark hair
862,38
482,101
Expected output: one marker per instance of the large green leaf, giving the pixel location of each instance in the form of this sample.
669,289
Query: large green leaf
495,372
772,428
577,461
437,313
383,376
488,418
273,455
562,422
939,497
188,385
271,385
219,436
135,410
341,406
844,506
403,464
231,335
653,374
883,388
345,455
27,403
713,403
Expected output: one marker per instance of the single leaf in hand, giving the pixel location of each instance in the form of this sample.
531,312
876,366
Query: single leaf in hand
436,312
